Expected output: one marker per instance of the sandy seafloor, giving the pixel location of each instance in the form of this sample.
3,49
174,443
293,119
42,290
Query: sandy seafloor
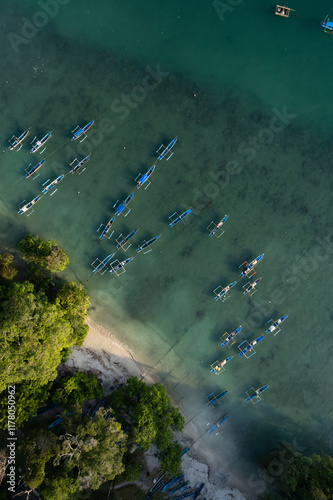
250,110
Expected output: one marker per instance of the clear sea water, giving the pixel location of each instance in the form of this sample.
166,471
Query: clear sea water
248,96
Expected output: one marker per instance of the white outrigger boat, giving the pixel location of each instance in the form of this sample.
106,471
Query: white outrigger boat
52,185
25,209
275,324
38,144
17,141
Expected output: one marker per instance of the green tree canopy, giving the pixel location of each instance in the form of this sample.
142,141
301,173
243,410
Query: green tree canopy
7,271
77,388
149,411
299,477
34,332
74,301
44,253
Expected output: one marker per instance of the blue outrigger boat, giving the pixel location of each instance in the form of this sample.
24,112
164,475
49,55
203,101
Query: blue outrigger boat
223,293
102,264
125,240
148,243
327,24
53,184
16,141
79,132
79,164
166,150
172,482
250,288
255,394
29,205
38,144
213,400
107,228
220,422
120,265
275,324
34,169
143,179
217,227
249,267
217,367
179,217
249,347
121,206
230,337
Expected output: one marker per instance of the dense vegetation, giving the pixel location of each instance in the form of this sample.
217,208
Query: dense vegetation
39,322
298,477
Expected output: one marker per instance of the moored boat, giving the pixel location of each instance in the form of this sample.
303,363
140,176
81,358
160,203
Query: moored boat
16,141
52,184
166,150
148,243
178,218
230,336
29,205
218,226
250,346
249,267
276,324
33,169
257,392
38,144
79,132
141,181
121,265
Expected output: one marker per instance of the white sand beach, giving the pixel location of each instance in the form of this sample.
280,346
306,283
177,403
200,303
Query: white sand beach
113,363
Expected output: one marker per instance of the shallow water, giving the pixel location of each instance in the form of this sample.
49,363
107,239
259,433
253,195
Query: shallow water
250,108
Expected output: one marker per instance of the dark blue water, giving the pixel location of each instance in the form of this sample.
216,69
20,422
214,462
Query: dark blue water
248,96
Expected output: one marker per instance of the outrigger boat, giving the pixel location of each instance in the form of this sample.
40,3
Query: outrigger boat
102,264
15,141
215,229
141,181
79,132
213,400
79,164
254,394
166,150
34,169
280,10
327,24
249,347
250,288
123,243
52,185
106,229
38,144
275,324
29,205
172,482
231,336
218,423
249,267
147,244
178,217
217,366
120,266
121,206
222,294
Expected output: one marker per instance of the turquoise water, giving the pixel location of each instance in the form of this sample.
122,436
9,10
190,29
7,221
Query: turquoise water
248,98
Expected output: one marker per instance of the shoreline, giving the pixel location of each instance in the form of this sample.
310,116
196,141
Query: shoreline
113,363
